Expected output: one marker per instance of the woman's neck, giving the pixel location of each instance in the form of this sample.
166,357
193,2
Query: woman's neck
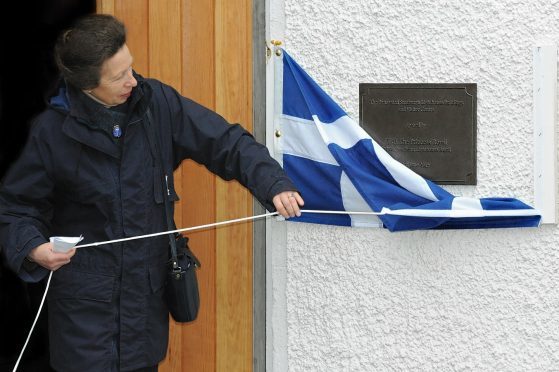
90,95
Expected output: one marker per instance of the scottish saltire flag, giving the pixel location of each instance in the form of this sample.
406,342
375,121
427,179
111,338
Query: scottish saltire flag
337,166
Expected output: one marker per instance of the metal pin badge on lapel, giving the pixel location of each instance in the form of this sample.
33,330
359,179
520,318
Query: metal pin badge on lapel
117,132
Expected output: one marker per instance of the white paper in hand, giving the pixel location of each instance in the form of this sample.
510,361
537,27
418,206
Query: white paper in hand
65,243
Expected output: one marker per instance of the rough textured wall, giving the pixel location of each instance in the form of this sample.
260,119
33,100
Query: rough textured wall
481,300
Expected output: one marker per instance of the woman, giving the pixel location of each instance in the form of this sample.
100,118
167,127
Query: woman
88,169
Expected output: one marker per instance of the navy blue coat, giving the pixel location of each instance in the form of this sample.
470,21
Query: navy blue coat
106,310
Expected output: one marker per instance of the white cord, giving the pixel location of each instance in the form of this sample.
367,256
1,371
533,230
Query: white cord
384,211
34,322
199,228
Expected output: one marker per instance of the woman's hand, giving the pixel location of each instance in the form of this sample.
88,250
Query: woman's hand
287,203
49,259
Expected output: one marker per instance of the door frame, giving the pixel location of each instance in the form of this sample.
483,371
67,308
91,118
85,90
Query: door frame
259,227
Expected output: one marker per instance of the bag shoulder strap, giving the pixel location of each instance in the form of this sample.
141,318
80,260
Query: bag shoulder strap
155,147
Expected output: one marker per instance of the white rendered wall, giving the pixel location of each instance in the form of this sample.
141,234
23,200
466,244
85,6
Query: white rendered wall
477,300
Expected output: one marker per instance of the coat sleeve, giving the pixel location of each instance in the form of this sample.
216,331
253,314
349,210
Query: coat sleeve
227,150
25,210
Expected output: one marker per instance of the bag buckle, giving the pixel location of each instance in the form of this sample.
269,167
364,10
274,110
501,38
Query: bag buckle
176,270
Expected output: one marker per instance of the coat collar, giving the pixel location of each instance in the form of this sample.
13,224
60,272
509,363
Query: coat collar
80,115
96,139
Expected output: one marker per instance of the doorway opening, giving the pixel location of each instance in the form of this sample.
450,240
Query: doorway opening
28,74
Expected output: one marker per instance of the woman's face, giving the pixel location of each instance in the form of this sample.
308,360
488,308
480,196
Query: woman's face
116,81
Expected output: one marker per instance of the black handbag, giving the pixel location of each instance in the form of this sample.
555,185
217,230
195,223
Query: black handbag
181,285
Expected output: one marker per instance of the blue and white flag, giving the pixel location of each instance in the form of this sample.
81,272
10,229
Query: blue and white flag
337,166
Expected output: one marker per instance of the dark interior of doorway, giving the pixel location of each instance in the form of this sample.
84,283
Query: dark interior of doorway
28,30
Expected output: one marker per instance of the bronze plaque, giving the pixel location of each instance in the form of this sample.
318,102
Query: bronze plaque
430,128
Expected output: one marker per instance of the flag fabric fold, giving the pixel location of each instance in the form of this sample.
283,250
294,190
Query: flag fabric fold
337,166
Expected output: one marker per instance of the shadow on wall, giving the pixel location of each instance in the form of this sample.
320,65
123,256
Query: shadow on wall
28,30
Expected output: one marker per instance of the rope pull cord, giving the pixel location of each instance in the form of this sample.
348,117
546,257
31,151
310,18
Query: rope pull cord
215,224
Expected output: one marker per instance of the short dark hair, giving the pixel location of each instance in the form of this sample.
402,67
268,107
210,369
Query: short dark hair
81,50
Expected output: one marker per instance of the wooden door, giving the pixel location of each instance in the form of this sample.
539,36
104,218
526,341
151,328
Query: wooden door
203,49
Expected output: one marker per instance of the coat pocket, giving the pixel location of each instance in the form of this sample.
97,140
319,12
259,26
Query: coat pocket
83,320
72,284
